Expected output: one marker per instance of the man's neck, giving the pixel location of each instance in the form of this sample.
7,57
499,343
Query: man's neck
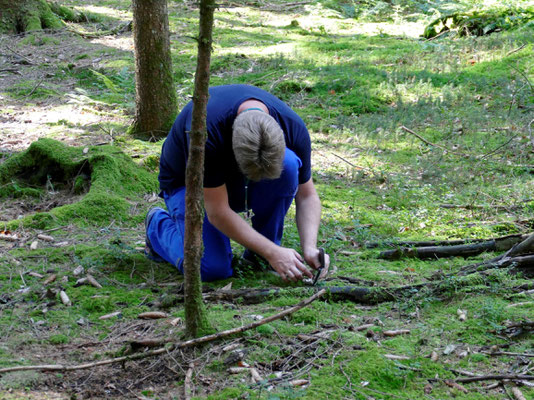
252,104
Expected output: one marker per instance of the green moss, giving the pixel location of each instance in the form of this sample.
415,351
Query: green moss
58,339
109,175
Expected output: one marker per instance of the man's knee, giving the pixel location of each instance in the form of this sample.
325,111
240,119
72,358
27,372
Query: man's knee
210,271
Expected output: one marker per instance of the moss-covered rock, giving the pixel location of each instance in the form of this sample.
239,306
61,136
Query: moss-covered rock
107,178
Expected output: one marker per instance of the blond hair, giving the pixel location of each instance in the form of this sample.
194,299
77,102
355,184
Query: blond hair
259,145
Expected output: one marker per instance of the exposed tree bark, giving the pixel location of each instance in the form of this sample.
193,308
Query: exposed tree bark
461,250
155,99
195,316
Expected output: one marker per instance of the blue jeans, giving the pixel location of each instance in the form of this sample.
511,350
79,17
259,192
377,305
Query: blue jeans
269,201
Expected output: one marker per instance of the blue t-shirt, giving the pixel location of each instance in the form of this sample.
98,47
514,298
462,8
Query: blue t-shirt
220,166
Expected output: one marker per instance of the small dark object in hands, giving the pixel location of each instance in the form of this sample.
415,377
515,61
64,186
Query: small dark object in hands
320,269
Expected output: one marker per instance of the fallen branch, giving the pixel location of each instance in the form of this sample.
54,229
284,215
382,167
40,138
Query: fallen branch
495,377
188,392
524,247
507,353
432,144
461,250
518,395
171,347
428,243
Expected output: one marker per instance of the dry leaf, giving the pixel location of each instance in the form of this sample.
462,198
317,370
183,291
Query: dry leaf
153,315
93,282
397,332
34,245
46,238
256,377
35,274
455,385
428,388
111,315
64,298
363,327
176,321
299,382
50,279
434,356
237,370
78,270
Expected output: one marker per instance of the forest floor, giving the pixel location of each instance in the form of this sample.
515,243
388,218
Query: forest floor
413,140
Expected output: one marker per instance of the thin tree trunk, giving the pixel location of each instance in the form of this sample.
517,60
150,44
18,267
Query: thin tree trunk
195,316
155,98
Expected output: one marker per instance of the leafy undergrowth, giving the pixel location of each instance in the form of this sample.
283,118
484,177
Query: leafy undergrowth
460,168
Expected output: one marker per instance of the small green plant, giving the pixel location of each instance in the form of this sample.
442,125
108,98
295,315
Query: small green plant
58,339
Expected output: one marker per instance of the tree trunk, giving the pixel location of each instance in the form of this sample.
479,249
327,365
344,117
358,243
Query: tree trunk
195,316
27,15
155,96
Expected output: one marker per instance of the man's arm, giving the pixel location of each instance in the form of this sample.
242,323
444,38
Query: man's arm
287,262
308,217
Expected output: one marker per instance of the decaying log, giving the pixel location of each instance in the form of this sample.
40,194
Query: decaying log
360,295
429,243
363,295
460,250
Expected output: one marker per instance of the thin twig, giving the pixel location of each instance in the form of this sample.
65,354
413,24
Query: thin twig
19,55
430,143
495,377
351,164
34,89
173,346
516,50
187,382
507,353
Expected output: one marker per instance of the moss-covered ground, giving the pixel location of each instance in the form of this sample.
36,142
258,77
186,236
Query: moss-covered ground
356,75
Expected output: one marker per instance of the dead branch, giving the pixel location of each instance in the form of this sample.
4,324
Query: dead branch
495,377
516,50
455,385
518,395
461,250
170,347
507,353
187,382
432,144
428,243
524,247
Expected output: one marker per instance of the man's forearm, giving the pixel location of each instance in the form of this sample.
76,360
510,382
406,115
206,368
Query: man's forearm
308,217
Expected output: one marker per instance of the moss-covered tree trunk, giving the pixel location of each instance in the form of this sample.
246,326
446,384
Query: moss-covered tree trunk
195,316
155,96
18,16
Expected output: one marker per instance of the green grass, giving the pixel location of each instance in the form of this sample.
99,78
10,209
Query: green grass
356,73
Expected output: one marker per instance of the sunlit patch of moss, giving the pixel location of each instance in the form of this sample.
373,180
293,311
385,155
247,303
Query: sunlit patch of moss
115,181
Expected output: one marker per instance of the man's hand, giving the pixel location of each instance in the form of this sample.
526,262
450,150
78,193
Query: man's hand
289,264
311,256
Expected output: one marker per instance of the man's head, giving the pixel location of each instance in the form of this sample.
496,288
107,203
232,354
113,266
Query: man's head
259,145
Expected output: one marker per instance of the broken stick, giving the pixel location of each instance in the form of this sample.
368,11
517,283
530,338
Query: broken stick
171,347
